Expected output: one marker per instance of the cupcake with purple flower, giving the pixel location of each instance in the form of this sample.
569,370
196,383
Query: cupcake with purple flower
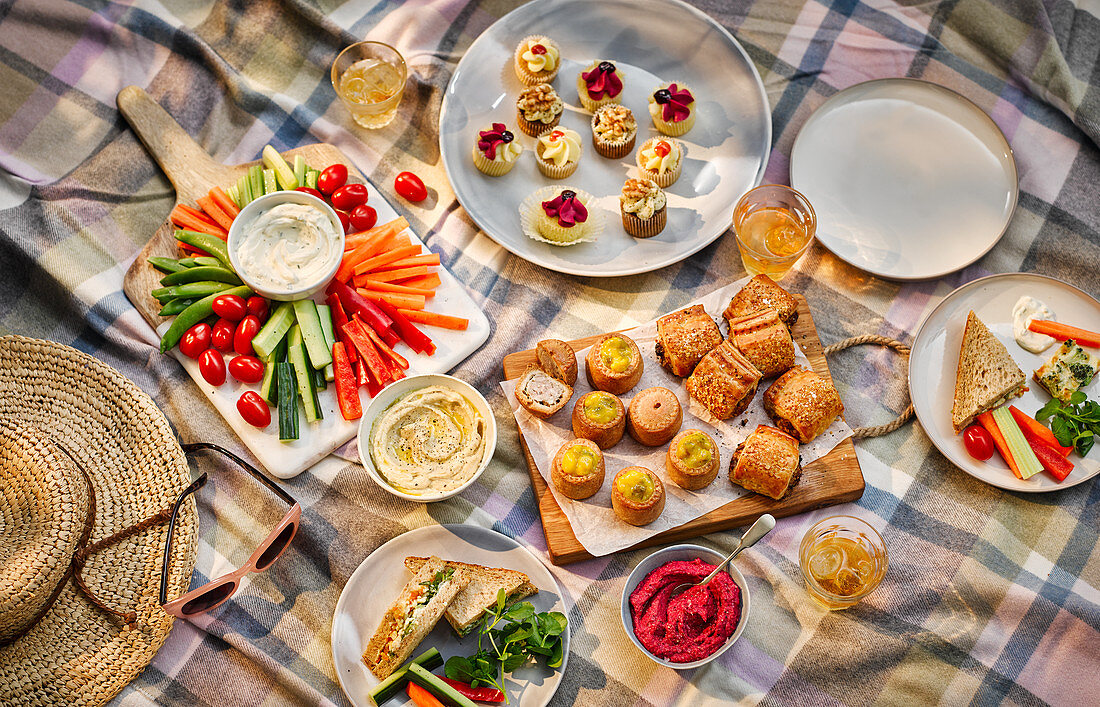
496,150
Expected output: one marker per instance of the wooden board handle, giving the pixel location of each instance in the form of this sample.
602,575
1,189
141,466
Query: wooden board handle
187,165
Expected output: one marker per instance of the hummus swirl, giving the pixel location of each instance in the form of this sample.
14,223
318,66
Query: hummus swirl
690,626
428,442
288,246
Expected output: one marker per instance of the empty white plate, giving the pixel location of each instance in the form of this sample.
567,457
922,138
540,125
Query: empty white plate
909,179
935,358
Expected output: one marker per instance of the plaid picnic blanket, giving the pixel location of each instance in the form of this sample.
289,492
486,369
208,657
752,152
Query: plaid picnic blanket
991,596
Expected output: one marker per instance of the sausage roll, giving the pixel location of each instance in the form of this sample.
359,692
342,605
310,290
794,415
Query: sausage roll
761,292
764,341
802,403
684,337
724,382
767,462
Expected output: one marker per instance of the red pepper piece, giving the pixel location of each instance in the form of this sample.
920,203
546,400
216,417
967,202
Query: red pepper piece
355,303
481,694
379,371
416,339
347,387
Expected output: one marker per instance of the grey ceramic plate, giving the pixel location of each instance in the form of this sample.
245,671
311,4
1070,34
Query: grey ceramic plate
653,41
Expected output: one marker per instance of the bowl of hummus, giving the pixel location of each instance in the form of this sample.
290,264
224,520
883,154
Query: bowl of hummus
694,627
286,245
426,438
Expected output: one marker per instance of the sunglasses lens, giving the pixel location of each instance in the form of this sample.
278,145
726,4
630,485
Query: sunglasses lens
208,600
275,548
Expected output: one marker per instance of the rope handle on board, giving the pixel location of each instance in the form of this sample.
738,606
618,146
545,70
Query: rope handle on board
874,339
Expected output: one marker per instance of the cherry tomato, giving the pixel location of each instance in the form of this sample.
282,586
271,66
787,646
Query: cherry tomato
364,217
195,340
246,369
978,441
258,305
312,192
212,367
410,186
254,409
349,196
222,336
332,178
345,220
246,332
231,307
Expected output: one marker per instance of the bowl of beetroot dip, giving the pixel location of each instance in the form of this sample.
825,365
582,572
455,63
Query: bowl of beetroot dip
692,628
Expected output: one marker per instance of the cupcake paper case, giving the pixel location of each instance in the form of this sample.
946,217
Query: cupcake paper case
496,150
661,159
539,226
600,83
558,152
672,107
537,60
538,109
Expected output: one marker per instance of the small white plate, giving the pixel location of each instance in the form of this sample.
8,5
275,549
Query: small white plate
379,579
909,180
653,41
935,358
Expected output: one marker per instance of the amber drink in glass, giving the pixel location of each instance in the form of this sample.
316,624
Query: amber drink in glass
369,77
843,559
774,225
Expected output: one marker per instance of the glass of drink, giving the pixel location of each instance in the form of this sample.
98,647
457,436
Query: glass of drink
843,559
774,226
369,77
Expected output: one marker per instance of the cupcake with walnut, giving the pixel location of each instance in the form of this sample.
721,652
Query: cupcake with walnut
538,109
644,208
496,150
613,131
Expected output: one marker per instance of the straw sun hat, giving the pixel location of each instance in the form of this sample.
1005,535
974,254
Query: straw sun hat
84,456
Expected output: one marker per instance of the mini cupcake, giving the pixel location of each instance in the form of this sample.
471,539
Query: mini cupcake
672,108
560,216
661,160
538,109
613,131
537,60
496,150
601,83
558,152
644,208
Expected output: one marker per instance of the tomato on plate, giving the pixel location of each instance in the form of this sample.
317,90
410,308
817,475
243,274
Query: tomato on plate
332,178
212,367
312,192
364,217
257,305
254,409
195,340
410,186
349,196
978,441
246,369
222,336
246,332
231,307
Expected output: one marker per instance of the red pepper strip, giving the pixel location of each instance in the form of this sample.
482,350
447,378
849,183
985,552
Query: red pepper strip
379,371
339,319
1058,466
187,248
481,694
372,388
347,388
391,338
394,357
416,339
361,376
355,303
1037,429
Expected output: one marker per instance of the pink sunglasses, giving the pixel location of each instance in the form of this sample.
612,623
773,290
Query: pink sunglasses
215,592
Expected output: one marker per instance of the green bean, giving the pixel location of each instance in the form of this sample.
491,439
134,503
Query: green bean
194,314
209,244
200,273
168,265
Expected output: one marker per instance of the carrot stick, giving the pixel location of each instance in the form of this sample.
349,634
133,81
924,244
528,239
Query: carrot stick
389,228
184,219
222,199
396,299
1037,429
377,286
214,211
986,420
367,250
382,346
439,320
421,697
383,259
408,262
391,275
1064,331
197,213
428,282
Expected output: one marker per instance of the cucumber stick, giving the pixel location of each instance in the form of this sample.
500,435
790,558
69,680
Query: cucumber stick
311,178
269,386
273,330
288,401
282,171
297,355
1025,458
391,686
305,311
300,168
270,185
444,692
324,313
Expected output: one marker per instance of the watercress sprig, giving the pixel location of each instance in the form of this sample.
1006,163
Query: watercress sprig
1074,423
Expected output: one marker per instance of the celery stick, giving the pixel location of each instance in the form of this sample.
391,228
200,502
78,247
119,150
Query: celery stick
233,194
300,170
282,171
244,188
311,178
270,185
256,177
1026,460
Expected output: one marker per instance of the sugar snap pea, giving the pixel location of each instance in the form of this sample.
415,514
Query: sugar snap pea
199,274
210,244
194,314
176,306
189,289
167,265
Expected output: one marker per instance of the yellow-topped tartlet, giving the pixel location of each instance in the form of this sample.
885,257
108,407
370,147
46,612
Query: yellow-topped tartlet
578,470
637,495
600,417
692,459
614,364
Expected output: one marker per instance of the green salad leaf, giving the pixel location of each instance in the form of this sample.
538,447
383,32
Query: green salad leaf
1075,423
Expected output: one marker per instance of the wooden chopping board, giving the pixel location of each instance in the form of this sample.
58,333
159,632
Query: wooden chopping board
832,479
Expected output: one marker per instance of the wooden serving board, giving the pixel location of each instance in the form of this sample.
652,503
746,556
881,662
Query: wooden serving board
832,479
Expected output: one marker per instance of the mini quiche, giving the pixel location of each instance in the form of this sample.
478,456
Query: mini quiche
637,495
1069,370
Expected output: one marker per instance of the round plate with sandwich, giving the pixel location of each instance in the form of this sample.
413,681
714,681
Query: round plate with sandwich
966,361
427,590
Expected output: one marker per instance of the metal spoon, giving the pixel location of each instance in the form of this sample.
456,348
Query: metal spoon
757,530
